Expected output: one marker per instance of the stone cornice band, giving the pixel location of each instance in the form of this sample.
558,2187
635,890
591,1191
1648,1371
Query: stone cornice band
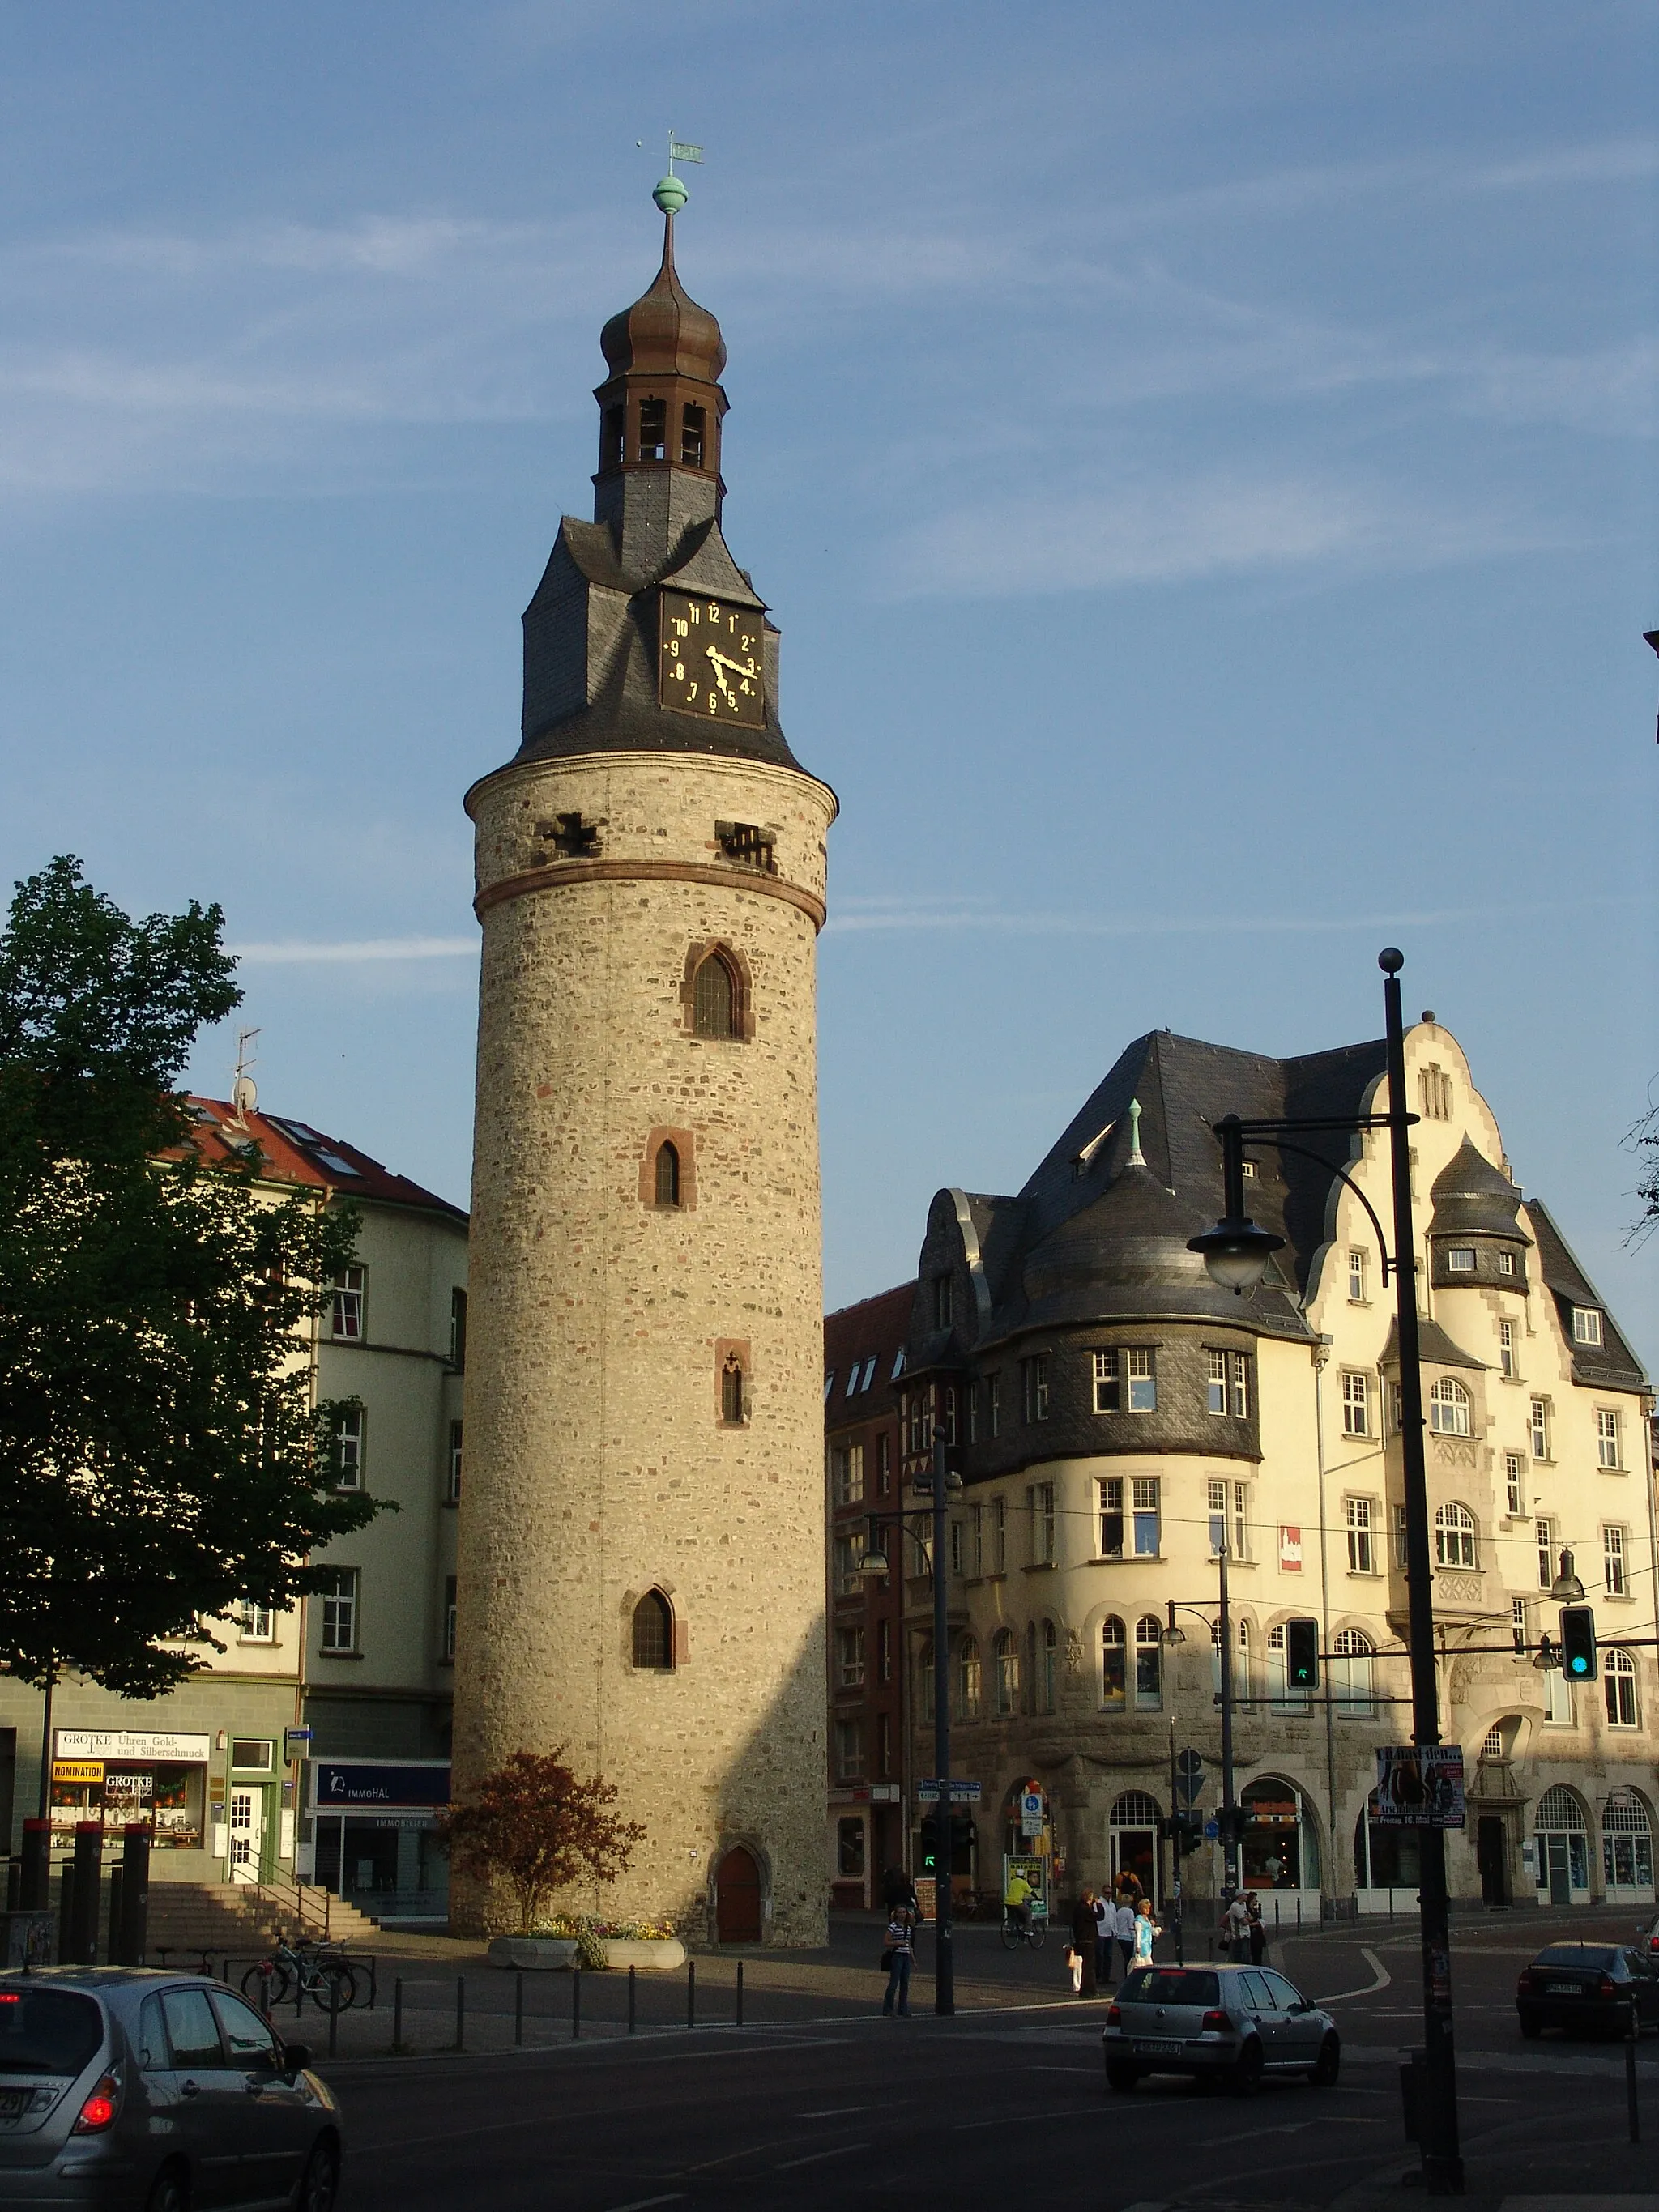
558,874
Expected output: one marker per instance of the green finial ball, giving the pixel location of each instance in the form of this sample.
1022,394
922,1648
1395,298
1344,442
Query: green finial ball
670,195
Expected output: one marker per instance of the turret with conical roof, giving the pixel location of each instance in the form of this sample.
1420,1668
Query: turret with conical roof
661,406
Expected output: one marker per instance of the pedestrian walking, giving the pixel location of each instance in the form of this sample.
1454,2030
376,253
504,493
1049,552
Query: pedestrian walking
1085,1928
1256,1930
1104,1930
898,1958
1123,1927
1146,1932
1235,1927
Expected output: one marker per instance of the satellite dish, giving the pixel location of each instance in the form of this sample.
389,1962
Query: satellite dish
244,1096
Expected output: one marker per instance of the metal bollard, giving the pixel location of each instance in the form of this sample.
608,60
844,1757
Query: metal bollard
397,2014
740,1993
517,2008
460,2012
690,1992
575,2003
1630,2075
333,2015
632,1972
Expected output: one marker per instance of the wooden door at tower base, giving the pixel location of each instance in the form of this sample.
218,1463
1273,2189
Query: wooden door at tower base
738,1897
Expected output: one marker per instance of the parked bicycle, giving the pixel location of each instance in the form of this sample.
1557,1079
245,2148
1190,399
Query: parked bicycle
1017,1931
320,1972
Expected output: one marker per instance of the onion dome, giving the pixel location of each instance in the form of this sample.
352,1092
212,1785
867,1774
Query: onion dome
1472,1198
665,332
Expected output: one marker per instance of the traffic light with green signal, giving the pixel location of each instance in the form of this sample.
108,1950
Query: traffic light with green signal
929,1864
1578,1661
1302,1655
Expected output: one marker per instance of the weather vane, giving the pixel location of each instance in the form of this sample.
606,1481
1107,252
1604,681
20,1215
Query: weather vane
671,194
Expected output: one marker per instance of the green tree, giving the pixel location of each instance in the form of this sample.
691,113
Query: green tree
160,1460
537,1827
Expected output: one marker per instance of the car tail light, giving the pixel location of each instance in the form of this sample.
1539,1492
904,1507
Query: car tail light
1115,2015
100,2108
1604,1988
1523,1982
1217,2021
1653,1942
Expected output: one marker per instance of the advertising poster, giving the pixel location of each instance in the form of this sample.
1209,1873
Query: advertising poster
1420,1785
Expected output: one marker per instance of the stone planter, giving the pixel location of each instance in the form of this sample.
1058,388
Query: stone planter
557,1954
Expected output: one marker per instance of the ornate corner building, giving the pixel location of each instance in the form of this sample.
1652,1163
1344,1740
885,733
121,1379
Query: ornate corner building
640,1579
1119,1418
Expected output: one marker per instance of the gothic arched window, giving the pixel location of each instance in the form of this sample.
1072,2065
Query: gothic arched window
668,1174
714,999
653,1633
731,1389
1454,1537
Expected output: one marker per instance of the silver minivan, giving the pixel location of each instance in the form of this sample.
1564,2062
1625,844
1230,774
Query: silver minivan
132,2091
1227,2024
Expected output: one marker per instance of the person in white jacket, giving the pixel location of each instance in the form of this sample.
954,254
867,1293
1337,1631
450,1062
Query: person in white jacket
1123,1927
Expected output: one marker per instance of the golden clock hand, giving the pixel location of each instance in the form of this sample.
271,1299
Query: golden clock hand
742,667
716,658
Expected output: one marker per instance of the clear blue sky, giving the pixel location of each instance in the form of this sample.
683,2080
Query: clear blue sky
1201,459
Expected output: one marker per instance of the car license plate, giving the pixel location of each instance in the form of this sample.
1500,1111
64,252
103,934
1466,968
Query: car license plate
13,2103
1148,2049
1563,1990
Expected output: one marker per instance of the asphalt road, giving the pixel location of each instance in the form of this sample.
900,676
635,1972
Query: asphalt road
832,2106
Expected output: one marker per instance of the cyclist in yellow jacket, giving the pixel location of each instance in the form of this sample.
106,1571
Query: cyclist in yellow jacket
1016,1897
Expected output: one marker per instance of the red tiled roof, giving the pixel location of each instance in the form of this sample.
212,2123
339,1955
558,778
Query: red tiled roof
295,1152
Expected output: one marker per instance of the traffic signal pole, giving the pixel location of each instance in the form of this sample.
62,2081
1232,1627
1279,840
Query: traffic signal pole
1229,1819
1442,2164
945,1972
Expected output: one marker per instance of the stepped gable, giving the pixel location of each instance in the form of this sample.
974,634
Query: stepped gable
1610,1365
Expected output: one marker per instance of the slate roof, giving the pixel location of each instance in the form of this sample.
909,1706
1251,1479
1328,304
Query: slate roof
1434,1347
293,1152
1611,1364
873,1329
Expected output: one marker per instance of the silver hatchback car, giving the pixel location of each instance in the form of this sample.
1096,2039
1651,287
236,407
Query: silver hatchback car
128,2091
1227,2024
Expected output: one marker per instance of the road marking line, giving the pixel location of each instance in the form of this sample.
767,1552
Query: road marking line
845,2151
1384,1979
834,2112
642,2203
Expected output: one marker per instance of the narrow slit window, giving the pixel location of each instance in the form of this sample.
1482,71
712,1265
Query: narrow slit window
668,1175
731,1391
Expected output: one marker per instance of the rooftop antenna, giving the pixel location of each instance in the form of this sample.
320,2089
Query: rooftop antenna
243,1096
671,194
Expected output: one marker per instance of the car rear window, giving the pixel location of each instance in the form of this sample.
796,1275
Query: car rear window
46,2030
1574,1955
1179,1985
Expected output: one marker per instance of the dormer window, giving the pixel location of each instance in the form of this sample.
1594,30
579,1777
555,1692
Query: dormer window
693,426
654,430
1587,1325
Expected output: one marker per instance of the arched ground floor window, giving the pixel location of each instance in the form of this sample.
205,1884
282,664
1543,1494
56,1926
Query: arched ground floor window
1281,1844
1626,1849
1561,1837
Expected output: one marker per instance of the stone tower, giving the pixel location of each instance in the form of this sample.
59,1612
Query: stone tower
640,1568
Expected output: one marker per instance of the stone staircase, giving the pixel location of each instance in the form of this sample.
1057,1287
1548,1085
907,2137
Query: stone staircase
188,1918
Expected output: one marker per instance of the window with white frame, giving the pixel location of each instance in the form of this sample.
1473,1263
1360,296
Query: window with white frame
1519,1623
1448,1407
1587,1325
1539,1424
1005,1661
349,1449
1148,1663
958,1547
340,1593
1143,1382
1355,1403
1402,1542
1229,1515
1357,1278
1361,1557
1241,1368
1454,1536
998,1535
1514,1491
1546,1533
849,1658
1607,1439
1216,1365
1492,1744
1558,1698
255,1624
1459,1259
1108,1385
1111,1516
1217,1500
1042,1498
969,1680
1613,1561
976,1541
849,1751
1508,1358
1351,1674
1036,1387
452,1467
848,1551
948,1413
1506,1263
1619,1686
993,1403
346,1313
847,1473
1281,1698
1143,1505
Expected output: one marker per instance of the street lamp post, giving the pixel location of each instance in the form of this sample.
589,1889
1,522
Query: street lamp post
1236,1252
873,1562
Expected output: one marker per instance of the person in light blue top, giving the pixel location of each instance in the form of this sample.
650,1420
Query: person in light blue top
1147,1930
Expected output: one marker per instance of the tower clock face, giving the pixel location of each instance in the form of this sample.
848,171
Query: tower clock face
711,660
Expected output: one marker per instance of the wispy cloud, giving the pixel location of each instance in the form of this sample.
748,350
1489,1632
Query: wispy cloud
905,915
293,953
